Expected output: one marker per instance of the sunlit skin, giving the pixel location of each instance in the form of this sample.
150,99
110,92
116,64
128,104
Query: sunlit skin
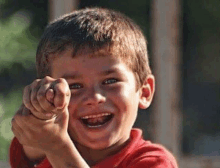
100,85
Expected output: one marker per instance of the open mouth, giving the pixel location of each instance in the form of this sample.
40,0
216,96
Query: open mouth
94,121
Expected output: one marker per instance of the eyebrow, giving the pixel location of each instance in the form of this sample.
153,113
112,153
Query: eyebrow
77,75
73,75
110,71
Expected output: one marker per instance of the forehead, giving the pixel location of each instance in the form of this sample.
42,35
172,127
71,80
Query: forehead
85,63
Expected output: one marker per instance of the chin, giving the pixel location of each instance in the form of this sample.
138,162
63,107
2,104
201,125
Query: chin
99,145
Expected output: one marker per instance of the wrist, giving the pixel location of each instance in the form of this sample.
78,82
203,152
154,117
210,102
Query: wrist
64,144
33,153
66,156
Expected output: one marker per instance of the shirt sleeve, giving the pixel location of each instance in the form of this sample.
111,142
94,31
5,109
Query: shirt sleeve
18,158
17,155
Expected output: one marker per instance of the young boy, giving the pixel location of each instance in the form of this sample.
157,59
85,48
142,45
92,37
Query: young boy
93,74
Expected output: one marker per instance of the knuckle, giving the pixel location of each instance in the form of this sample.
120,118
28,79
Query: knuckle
61,80
35,82
63,89
47,79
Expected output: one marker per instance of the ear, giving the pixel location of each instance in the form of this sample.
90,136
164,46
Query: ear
147,92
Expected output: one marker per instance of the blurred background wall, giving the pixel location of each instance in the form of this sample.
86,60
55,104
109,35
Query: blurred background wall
23,21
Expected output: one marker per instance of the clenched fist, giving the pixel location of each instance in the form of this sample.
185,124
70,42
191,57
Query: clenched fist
46,97
42,120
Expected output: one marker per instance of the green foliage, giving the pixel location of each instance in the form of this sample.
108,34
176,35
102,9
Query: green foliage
15,44
2,2
8,106
17,48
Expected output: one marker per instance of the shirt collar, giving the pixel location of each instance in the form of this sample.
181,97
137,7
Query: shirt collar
115,160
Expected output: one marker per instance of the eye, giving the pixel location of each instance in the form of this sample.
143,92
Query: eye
75,86
110,81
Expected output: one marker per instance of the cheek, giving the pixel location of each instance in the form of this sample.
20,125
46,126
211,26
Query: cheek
128,106
72,104
124,97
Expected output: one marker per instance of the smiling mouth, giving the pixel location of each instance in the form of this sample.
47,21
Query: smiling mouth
95,121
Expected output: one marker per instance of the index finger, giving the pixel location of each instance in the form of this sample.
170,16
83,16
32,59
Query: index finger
62,93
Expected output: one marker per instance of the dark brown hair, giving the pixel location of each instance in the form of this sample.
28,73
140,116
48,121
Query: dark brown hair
96,29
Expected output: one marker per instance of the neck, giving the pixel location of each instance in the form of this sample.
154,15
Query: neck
94,156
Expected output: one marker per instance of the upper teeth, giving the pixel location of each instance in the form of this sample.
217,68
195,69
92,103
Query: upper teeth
94,116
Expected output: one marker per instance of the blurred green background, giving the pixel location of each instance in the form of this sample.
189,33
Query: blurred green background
23,21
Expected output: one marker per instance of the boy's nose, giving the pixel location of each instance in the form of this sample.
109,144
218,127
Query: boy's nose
94,96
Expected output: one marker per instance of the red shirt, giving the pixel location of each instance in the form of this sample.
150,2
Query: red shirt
137,154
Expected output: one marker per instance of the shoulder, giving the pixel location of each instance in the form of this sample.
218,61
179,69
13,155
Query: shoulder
153,155
149,154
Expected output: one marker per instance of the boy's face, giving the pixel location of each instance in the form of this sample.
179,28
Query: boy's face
104,100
